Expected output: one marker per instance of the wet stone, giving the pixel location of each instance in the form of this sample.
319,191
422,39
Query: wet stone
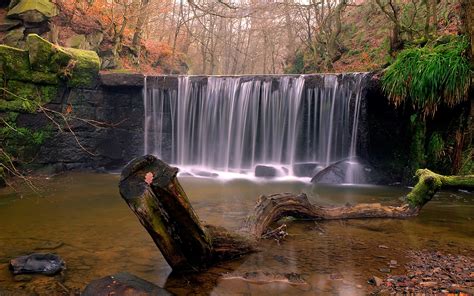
123,284
48,264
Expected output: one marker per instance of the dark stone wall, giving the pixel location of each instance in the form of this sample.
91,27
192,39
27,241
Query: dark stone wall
109,129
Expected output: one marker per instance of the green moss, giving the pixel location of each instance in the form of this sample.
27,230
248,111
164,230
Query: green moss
44,78
25,97
417,145
84,68
14,63
44,7
23,143
78,67
428,184
39,51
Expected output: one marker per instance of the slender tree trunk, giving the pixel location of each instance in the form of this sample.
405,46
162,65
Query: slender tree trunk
142,18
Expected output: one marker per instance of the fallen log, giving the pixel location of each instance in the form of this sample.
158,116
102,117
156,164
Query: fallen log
154,194
270,209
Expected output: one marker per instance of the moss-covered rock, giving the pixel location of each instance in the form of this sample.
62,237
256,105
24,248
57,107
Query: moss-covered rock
33,11
25,96
83,69
79,67
14,63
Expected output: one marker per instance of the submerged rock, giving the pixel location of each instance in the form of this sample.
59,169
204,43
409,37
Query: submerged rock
122,284
305,169
48,264
204,174
351,170
265,171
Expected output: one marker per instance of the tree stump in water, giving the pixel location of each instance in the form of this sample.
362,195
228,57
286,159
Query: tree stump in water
152,191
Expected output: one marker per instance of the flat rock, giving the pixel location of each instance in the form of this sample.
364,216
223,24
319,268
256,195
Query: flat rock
121,79
122,284
48,264
265,171
7,24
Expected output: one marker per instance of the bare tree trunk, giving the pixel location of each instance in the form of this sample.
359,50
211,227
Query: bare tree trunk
141,20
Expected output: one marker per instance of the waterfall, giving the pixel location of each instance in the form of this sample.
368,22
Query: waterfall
235,123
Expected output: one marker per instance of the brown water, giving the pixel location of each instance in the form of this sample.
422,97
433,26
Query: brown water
83,219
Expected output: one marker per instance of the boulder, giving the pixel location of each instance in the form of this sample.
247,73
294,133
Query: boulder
109,60
85,68
37,28
266,171
15,38
14,63
305,169
122,284
79,67
33,11
8,24
352,170
77,41
122,79
95,39
48,264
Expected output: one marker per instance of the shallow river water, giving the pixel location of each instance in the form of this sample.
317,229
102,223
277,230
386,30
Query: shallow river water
82,218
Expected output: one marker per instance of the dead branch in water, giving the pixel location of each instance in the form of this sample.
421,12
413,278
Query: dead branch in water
152,191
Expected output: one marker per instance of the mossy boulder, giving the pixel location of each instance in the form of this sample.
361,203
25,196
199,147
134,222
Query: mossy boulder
25,96
14,63
33,11
85,66
79,67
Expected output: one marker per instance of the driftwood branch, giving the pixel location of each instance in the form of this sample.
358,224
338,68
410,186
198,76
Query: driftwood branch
270,209
152,191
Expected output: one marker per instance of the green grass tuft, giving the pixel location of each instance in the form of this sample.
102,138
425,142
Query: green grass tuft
429,76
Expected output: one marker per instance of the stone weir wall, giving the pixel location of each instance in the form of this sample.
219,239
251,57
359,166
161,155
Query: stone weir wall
106,122
105,126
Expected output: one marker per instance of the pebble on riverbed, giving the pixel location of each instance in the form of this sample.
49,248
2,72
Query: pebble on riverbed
48,264
430,273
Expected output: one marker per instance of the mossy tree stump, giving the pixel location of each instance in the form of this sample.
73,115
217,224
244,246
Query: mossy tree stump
154,194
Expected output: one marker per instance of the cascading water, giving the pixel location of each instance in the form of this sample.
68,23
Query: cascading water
233,124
